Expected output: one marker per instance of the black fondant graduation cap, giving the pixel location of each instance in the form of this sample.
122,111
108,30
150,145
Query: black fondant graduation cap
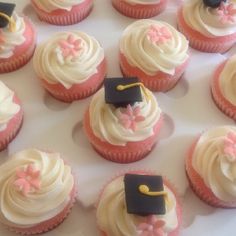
121,98
140,203
6,8
213,3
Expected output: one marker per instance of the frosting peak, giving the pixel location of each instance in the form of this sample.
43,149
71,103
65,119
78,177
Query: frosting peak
154,46
211,22
7,107
214,160
53,184
68,58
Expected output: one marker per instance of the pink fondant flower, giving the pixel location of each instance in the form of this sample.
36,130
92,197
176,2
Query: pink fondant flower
152,227
226,13
158,34
230,146
27,179
130,116
70,46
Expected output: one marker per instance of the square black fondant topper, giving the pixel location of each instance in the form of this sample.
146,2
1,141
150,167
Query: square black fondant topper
122,98
6,8
142,204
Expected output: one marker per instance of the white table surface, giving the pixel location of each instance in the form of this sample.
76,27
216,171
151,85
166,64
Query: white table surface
51,124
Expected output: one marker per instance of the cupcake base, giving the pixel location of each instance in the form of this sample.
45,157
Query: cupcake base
64,17
198,186
139,11
49,224
13,127
202,43
22,53
160,82
131,152
77,91
223,104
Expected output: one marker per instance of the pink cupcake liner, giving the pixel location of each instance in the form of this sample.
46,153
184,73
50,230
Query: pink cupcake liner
223,104
166,182
203,43
77,91
131,152
22,53
63,17
13,127
199,187
49,224
139,11
161,82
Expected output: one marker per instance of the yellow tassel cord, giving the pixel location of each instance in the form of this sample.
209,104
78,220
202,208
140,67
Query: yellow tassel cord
12,23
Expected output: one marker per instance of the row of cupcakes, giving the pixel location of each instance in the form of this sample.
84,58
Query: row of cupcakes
209,29
38,190
124,118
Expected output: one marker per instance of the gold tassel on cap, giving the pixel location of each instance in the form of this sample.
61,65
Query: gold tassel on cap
12,23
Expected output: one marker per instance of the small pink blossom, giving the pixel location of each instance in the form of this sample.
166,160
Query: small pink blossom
226,13
230,146
152,227
27,179
130,116
70,46
158,34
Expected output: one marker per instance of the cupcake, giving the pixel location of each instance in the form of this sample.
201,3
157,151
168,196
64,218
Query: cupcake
223,87
17,39
140,8
210,26
11,115
138,204
155,52
59,12
37,191
211,164
70,65
123,120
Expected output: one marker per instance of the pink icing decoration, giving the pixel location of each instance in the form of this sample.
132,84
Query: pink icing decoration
152,227
27,179
226,13
130,116
230,146
158,34
70,46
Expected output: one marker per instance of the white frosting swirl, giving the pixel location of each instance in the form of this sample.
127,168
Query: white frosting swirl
104,120
52,66
227,80
51,5
151,57
9,40
57,183
112,216
7,107
142,2
213,165
206,20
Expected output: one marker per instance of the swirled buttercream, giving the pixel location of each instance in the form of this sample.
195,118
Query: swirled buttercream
142,2
214,159
112,216
7,107
9,40
211,22
68,58
51,5
227,80
56,184
106,123
155,53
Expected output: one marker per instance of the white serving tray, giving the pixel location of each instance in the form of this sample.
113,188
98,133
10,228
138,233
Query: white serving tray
53,125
